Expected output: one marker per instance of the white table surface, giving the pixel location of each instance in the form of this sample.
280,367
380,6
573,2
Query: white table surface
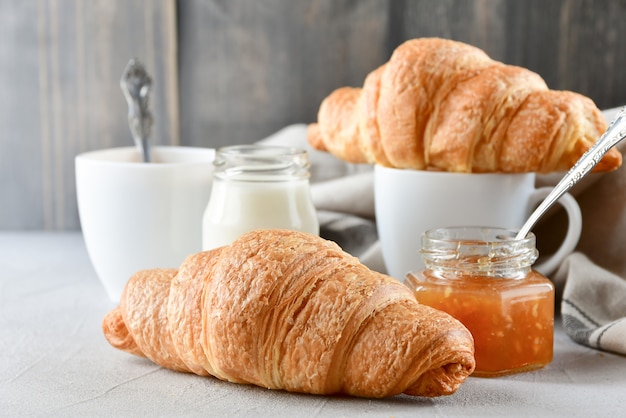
54,361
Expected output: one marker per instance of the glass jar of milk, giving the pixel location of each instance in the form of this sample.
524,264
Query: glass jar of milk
258,187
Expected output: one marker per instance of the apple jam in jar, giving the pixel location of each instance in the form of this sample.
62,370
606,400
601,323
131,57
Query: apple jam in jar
483,278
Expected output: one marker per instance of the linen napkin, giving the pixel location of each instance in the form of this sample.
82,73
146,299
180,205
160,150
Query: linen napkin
593,307
593,300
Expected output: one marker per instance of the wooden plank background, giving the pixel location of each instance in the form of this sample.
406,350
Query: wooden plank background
234,71
60,66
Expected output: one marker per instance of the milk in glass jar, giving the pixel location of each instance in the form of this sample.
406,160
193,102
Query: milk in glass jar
483,278
258,187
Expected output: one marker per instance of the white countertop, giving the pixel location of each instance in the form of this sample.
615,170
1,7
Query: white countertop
55,361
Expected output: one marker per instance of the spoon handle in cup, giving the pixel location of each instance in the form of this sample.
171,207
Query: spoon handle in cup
136,84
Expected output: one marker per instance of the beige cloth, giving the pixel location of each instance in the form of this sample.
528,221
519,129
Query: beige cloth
593,307
591,286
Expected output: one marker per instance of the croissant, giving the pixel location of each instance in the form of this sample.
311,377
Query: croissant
292,311
444,105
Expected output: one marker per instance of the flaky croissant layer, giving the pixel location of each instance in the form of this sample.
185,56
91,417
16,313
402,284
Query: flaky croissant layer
439,104
288,310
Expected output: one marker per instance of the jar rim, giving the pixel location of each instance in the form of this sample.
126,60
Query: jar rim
487,235
261,150
261,162
491,251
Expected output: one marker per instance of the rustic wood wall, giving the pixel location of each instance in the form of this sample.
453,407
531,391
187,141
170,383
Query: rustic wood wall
60,67
234,71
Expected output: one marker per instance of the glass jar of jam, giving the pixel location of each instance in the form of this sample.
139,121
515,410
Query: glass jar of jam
258,187
483,278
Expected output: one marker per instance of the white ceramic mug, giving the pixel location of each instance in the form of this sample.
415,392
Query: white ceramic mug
137,216
410,202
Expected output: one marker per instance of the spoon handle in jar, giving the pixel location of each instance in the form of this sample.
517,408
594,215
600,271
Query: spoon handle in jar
615,133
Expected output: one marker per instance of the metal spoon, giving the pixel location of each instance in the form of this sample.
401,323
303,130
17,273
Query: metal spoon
615,133
135,84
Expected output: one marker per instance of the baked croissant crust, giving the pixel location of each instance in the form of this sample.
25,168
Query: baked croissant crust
444,105
288,310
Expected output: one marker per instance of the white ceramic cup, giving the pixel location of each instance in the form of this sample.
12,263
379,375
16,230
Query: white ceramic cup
410,202
137,216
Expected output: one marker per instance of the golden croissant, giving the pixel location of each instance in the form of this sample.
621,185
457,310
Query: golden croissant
444,105
292,311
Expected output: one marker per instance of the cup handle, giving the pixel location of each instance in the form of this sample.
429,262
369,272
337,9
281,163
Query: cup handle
574,229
